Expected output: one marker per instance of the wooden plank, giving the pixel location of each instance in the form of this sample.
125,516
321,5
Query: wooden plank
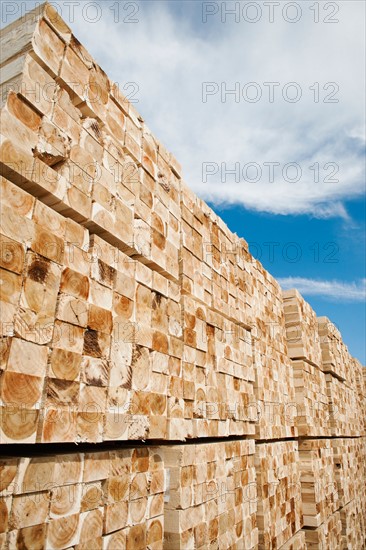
297,542
33,33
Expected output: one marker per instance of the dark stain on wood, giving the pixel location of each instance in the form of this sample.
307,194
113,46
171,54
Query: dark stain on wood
38,270
136,354
97,376
62,392
157,300
127,385
106,273
91,344
31,537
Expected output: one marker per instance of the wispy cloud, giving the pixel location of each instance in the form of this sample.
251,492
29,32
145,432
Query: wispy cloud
330,290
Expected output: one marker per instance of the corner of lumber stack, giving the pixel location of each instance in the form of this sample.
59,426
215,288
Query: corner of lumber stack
158,388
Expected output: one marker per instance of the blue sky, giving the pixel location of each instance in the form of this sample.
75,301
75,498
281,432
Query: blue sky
291,132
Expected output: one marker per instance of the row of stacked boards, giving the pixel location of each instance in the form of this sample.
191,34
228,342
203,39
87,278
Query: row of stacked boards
165,391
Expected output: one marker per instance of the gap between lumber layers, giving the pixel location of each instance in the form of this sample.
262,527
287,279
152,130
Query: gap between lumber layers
67,448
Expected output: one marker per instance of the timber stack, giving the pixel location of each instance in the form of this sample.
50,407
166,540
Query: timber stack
158,389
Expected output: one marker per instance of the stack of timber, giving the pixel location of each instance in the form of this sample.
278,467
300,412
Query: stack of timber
344,413
130,311
104,167
328,536
279,493
303,341
111,372
312,410
103,499
349,474
353,525
106,372
333,349
218,271
274,390
211,496
217,397
332,494
318,482
97,178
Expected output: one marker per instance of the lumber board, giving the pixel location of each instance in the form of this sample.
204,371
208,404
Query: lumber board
297,542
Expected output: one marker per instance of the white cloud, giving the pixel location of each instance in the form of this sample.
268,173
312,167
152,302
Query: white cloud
169,53
333,290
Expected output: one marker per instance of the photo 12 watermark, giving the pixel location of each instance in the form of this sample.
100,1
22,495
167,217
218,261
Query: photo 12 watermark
39,94
270,12
121,11
271,92
269,172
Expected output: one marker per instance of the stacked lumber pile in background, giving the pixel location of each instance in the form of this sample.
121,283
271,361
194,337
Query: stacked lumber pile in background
329,388
211,409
